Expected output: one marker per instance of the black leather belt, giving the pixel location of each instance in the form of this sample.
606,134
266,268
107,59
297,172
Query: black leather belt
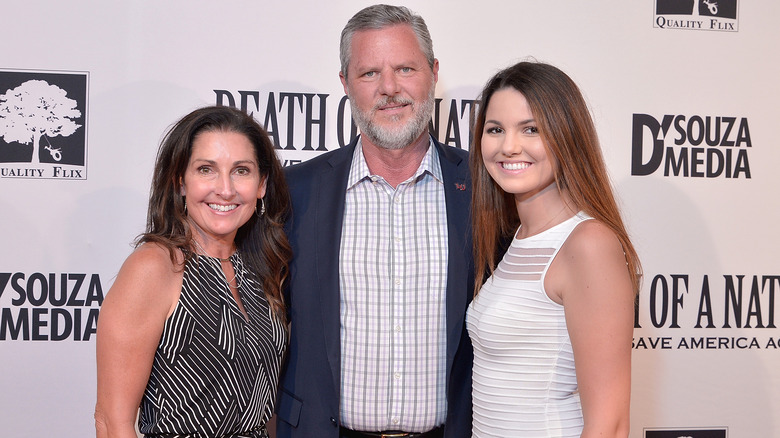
349,433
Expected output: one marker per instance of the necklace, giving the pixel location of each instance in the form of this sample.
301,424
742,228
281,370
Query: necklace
545,226
235,271
206,253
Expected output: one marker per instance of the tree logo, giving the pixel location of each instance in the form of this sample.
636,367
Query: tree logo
43,124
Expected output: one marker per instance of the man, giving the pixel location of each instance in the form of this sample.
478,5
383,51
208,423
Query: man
382,270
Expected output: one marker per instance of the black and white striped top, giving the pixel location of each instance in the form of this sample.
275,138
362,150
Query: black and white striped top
215,373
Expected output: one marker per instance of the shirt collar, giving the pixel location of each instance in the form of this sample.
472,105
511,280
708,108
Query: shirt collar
430,164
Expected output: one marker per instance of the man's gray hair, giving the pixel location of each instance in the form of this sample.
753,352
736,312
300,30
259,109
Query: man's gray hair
379,17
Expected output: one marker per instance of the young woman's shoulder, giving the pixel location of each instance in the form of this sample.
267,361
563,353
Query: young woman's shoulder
592,239
588,261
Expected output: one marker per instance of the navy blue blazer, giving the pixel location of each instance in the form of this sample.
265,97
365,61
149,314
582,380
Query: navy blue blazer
308,403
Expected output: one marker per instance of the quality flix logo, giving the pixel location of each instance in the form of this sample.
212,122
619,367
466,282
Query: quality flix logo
43,124
717,15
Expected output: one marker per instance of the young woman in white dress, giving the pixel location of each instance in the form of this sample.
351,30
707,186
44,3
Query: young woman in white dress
552,325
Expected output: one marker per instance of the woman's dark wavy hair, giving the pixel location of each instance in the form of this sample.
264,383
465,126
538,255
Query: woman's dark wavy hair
568,133
261,240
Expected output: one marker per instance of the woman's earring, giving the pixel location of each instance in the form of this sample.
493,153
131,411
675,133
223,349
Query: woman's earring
262,208
185,207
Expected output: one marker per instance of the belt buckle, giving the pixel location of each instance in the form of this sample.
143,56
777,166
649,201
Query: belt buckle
395,435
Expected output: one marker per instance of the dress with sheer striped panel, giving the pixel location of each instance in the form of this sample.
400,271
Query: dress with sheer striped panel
215,373
524,382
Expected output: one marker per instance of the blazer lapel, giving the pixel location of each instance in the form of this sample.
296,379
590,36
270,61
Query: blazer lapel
329,217
457,193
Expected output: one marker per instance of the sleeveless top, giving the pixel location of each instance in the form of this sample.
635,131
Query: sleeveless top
215,373
524,381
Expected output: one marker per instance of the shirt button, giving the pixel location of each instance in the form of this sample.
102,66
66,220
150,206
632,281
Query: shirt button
397,282
398,328
397,376
395,420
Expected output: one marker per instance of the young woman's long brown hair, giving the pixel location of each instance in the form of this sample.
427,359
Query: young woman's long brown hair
565,125
261,240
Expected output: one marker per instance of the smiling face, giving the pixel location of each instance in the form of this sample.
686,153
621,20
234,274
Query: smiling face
390,86
222,184
514,153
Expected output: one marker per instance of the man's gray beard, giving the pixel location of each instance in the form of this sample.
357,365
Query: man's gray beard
395,138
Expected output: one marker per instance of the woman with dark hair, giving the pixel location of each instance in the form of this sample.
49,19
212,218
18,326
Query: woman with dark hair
552,325
193,329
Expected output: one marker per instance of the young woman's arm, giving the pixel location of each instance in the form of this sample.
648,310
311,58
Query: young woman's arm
595,289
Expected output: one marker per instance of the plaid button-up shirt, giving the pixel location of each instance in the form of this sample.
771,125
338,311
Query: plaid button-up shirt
393,276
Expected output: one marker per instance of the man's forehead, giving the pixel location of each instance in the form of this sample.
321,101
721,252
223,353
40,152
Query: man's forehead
385,41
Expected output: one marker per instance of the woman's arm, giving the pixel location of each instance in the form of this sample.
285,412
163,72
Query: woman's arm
595,289
131,322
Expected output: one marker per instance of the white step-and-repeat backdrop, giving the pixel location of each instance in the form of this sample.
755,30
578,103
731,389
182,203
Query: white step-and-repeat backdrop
684,93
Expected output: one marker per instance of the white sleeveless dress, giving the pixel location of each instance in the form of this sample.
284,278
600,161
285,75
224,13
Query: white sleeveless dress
524,382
